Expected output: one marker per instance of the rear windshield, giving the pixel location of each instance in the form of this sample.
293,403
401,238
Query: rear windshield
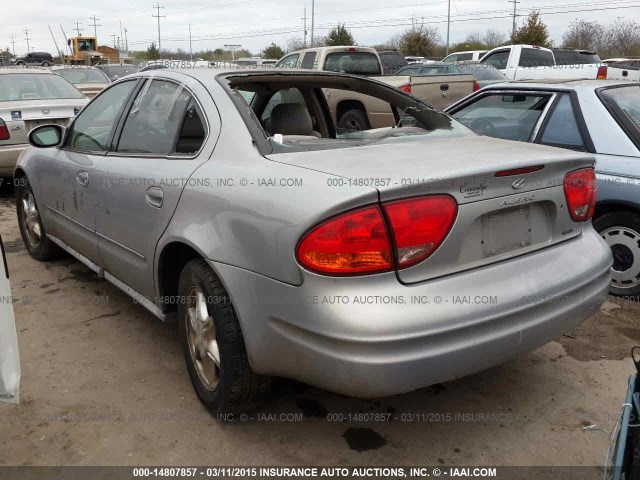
356,63
391,62
31,86
83,75
574,57
119,70
534,57
627,101
482,71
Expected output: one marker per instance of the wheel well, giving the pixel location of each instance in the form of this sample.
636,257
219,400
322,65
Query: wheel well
603,209
19,173
346,105
172,260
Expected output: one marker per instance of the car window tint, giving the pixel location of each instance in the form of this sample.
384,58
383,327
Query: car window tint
562,128
155,117
289,62
93,127
498,59
193,131
534,57
512,116
464,56
309,60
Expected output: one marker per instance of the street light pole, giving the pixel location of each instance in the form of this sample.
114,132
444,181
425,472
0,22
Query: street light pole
448,25
313,21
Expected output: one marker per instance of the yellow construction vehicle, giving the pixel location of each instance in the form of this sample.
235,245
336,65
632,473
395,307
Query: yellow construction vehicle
84,51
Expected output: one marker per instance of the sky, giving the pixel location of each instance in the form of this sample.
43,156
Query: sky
254,24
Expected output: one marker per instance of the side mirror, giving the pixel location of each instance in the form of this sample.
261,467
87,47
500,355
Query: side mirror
46,136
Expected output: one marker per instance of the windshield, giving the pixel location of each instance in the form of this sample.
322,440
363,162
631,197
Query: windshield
356,63
83,75
32,86
481,71
627,99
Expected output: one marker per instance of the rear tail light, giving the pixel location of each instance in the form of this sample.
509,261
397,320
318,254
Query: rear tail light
602,73
581,191
406,88
519,171
359,242
419,225
352,243
476,86
4,131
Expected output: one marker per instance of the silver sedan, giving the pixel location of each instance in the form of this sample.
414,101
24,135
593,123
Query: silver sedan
368,263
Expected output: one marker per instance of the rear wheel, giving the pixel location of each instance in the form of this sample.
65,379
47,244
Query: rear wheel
213,344
31,228
621,231
46,64
354,119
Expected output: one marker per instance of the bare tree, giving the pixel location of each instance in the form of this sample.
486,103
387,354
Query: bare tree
624,37
493,38
583,35
294,43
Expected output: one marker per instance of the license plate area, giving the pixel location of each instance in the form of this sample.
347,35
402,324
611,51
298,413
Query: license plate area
506,231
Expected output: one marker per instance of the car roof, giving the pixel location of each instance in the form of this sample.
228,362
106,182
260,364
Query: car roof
559,83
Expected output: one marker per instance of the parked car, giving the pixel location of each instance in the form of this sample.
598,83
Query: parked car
35,58
361,112
9,358
484,74
530,62
116,71
569,56
28,98
253,219
471,55
89,80
392,60
599,117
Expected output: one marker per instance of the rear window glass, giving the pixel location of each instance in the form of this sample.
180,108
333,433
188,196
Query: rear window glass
627,100
82,75
572,57
482,71
562,128
356,63
533,57
28,86
309,60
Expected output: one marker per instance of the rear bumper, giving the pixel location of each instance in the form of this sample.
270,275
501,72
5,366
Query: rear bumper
399,338
8,157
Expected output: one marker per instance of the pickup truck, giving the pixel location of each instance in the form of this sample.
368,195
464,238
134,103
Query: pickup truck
529,62
361,112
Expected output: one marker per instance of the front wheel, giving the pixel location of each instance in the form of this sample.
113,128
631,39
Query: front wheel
621,231
31,228
213,344
354,119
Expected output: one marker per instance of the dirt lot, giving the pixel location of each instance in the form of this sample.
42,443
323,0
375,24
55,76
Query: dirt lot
104,383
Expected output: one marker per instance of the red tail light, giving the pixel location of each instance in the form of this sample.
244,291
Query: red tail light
476,86
4,131
358,242
581,191
602,73
352,243
519,171
419,225
406,88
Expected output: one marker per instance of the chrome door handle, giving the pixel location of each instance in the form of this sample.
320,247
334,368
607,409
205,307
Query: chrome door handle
155,196
83,178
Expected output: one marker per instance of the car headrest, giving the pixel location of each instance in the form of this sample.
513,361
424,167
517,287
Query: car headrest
291,119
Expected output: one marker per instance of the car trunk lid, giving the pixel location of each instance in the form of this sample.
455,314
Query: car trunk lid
503,212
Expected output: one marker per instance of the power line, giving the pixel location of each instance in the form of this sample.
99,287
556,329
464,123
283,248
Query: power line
158,16
95,25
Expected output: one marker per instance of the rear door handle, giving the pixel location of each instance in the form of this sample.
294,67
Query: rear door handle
155,196
82,178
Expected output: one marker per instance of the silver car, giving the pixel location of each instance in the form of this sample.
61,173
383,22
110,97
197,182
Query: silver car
30,97
368,263
598,117
9,360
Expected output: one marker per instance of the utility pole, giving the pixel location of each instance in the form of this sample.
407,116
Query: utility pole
13,43
26,37
77,29
158,16
515,14
305,25
114,36
448,25
233,50
95,25
126,41
190,44
313,21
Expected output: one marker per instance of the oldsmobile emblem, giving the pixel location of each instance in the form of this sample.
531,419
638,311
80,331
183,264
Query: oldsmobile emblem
518,184
45,111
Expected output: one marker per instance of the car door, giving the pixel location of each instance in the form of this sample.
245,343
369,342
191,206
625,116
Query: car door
9,361
71,181
163,138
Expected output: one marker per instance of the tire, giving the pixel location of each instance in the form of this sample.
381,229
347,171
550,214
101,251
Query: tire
237,388
36,241
354,119
621,231
46,64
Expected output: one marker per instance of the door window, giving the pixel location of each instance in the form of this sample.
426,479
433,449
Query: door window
157,116
498,59
93,128
464,56
562,128
289,62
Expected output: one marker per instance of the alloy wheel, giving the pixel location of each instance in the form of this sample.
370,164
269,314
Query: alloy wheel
31,219
625,247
